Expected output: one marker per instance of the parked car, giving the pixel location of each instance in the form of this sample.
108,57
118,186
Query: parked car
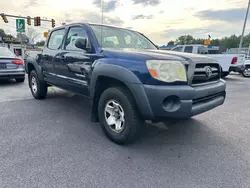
228,62
246,71
11,67
128,79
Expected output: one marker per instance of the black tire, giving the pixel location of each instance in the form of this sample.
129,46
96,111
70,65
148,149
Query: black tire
224,74
19,80
42,88
133,122
245,74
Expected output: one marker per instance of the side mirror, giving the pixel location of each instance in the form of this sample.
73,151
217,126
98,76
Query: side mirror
81,43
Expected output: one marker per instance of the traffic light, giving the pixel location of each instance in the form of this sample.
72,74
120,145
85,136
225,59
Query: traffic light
4,18
38,21
53,23
28,20
35,21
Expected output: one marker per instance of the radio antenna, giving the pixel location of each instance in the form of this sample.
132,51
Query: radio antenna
102,9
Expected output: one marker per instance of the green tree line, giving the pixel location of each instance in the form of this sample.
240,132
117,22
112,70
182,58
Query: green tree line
224,43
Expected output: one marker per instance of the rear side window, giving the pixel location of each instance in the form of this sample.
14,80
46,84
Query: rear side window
56,39
188,49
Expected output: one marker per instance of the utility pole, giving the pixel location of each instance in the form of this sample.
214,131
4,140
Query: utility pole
244,26
21,41
102,9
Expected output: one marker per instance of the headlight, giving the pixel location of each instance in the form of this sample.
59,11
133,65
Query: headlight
167,70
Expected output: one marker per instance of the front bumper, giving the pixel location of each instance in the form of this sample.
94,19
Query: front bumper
178,102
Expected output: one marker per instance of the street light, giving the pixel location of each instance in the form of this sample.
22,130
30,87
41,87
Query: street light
244,26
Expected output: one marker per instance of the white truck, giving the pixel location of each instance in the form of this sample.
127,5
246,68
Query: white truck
228,62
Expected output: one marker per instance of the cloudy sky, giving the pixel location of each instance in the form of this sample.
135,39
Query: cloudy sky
161,20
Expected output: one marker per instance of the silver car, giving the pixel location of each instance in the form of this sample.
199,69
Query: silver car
11,66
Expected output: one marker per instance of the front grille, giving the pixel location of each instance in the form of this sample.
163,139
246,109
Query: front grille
200,75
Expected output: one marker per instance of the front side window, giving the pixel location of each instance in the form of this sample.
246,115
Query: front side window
111,37
56,39
73,34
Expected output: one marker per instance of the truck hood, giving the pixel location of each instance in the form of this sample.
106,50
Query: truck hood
156,55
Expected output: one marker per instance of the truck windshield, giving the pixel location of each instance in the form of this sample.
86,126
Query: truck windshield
116,38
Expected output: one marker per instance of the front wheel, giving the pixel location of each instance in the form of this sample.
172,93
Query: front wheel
246,72
38,87
119,116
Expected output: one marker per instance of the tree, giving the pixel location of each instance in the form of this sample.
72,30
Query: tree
171,42
185,39
198,41
31,33
41,43
23,38
2,33
215,42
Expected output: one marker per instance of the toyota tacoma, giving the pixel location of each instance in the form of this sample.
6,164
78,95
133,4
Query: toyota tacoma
127,77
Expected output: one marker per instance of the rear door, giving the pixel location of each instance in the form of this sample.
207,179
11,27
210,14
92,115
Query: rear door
50,53
75,64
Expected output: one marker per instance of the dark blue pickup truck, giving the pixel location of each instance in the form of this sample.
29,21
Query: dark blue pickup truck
127,77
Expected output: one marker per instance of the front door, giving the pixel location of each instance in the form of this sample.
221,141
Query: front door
75,63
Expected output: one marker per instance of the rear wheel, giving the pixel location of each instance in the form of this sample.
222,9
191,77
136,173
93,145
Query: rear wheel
38,87
118,115
246,72
20,79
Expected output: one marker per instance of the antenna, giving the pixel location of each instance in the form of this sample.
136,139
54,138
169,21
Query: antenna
102,9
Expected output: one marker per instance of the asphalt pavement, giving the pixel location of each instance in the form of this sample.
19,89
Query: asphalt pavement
52,143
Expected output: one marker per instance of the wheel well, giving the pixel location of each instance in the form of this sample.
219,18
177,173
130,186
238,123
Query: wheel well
102,83
30,67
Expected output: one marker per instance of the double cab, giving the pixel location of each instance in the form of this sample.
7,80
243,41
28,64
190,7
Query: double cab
128,79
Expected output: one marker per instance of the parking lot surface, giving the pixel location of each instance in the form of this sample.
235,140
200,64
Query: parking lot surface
52,143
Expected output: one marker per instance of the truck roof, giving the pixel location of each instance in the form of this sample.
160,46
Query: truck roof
89,24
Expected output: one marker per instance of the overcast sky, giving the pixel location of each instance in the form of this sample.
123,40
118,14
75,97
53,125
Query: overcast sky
160,20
